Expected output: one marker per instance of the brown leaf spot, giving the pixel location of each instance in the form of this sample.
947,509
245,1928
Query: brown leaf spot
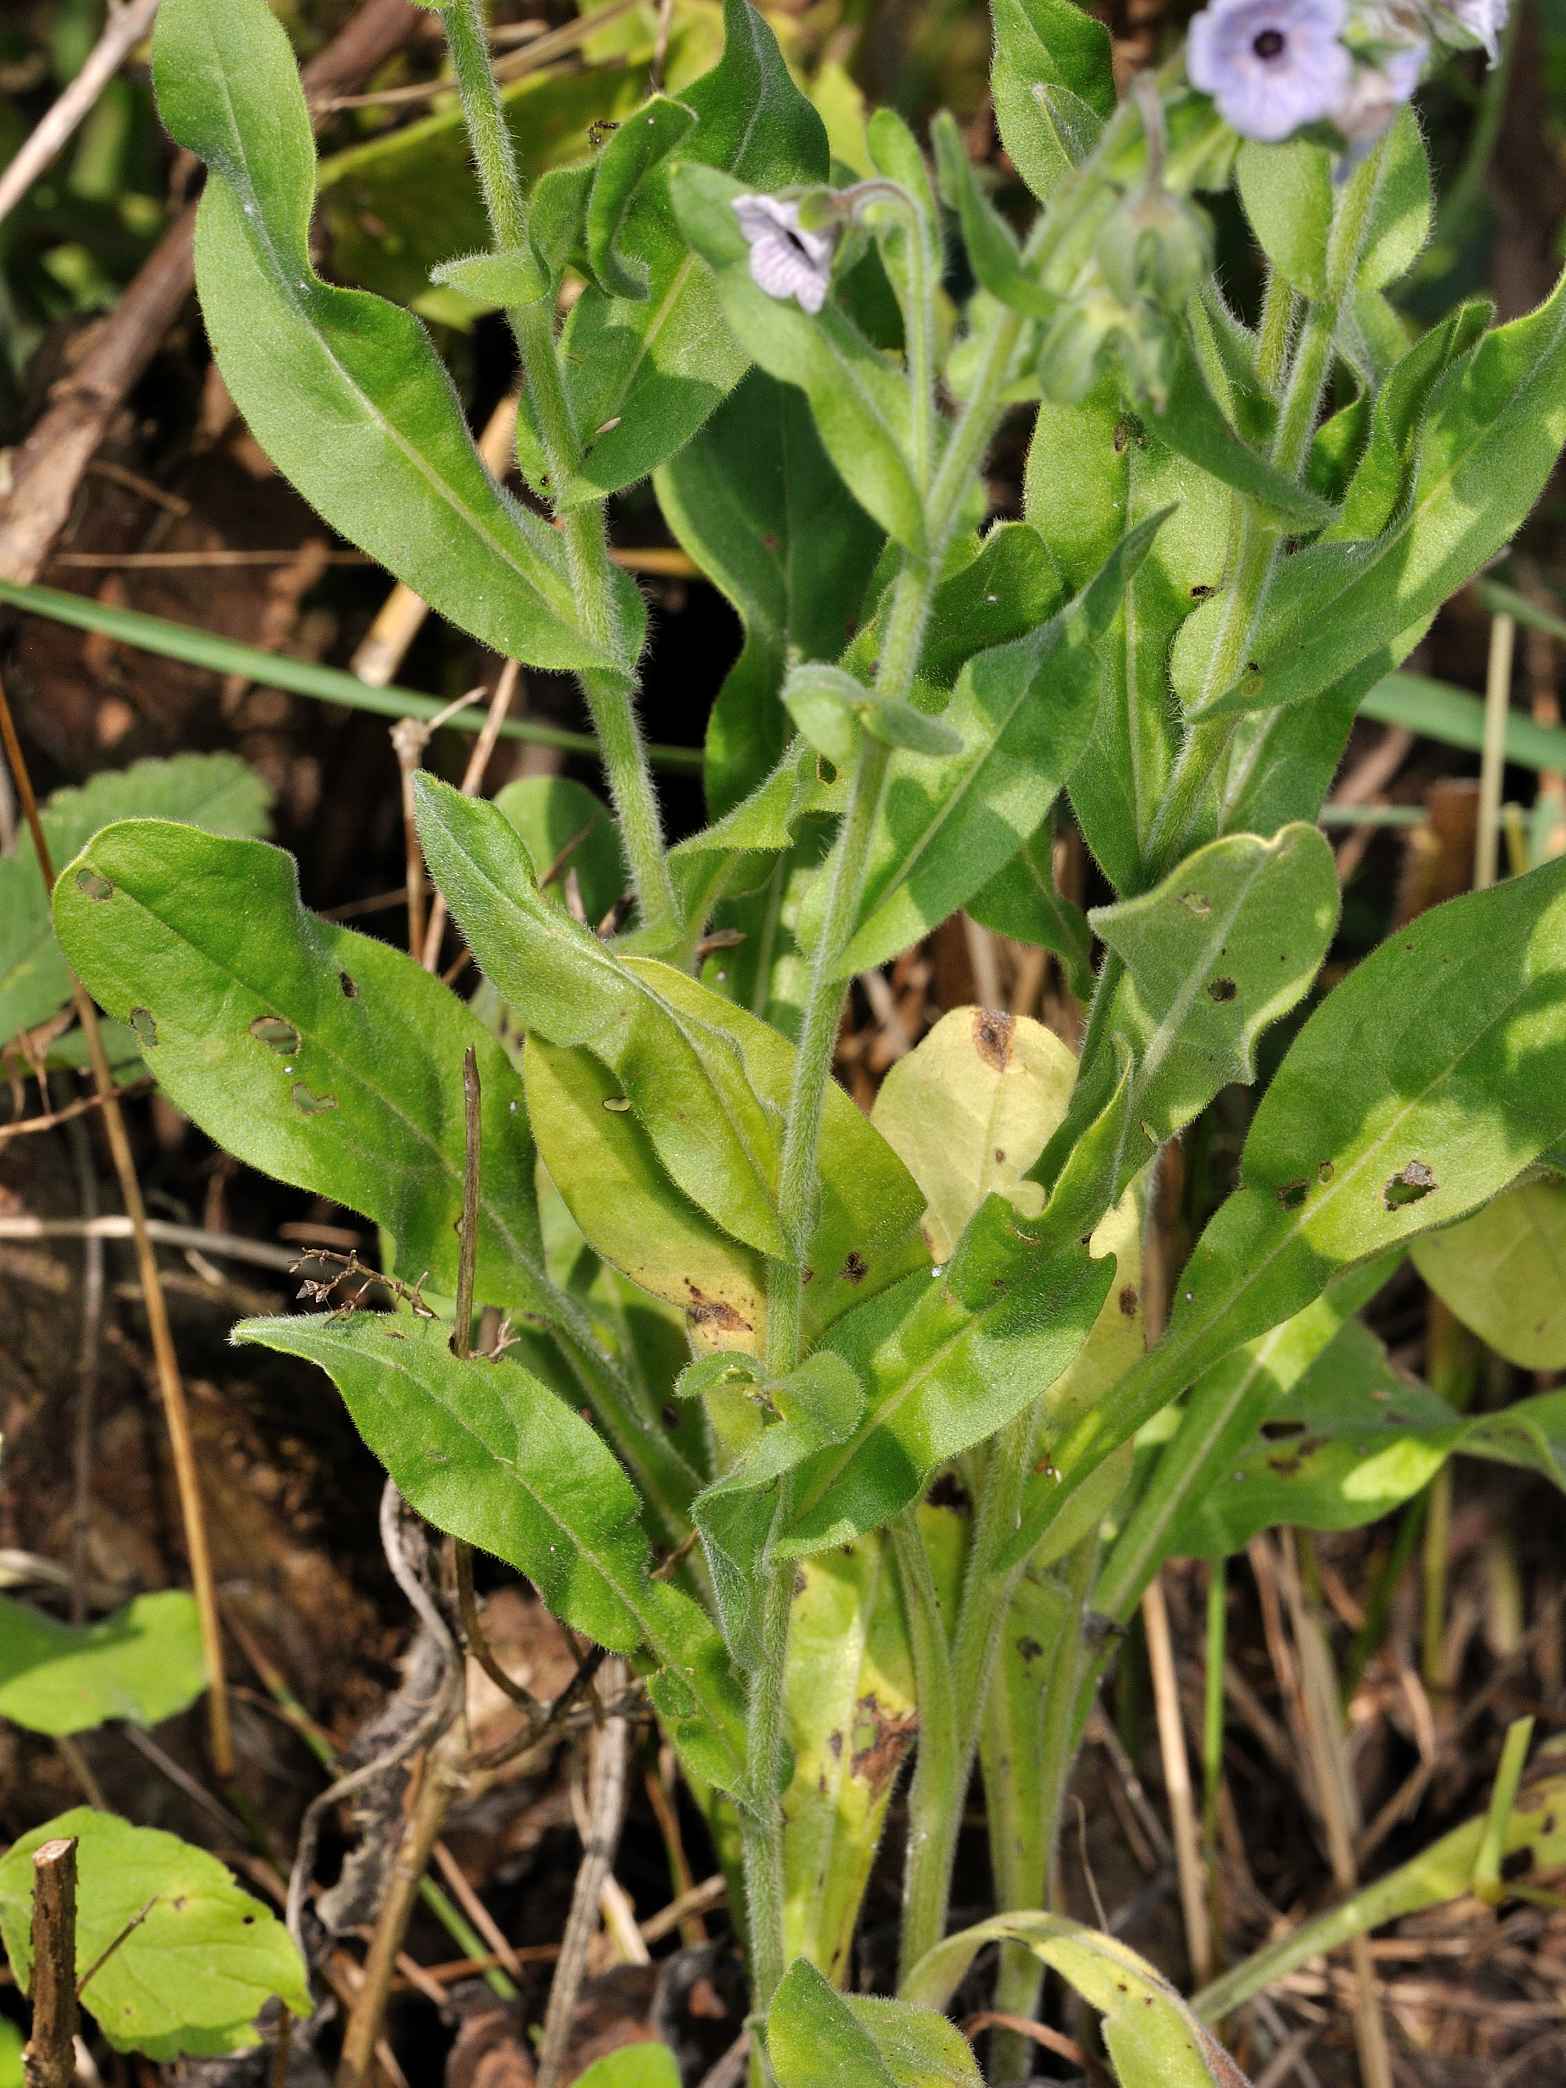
992,1037
855,1269
1029,1648
142,1023
703,1311
1292,1194
1221,989
93,885
346,982
887,1737
1000,1155
1127,1300
947,1492
1408,1185
277,1033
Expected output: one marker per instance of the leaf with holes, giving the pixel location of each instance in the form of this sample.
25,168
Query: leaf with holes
485,1451
143,1664
1226,944
215,791
1425,1082
191,1977
318,1055
343,391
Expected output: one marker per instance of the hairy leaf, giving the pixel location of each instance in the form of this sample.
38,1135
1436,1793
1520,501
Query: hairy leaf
1429,1079
1049,44
188,1979
1022,901
215,791
815,2033
320,1056
486,1452
344,391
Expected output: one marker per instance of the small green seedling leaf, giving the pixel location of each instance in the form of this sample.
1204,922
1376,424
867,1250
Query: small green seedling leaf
192,1975
143,1664
816,2034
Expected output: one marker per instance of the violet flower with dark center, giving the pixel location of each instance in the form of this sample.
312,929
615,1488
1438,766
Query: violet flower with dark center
1272,66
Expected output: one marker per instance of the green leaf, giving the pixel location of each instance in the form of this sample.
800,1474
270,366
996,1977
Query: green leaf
755,501
1401,209
1503,1272
1289,196
215,791
1194,425
10,2055
143,1664
343,391
486,1452
633,2066
510,278
190,1978
1022,901
1228,943
993,252
859,402
1534,1847
831,709
818,1404
947,823
632,152
815,2034
1489,439
329,1060
1093,473
851,1725
644,373
567,829
707,1082
1053,46
949,1357
1425,1082
1152,2036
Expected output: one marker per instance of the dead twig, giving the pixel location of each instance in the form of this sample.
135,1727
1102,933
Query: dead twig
50,2058
606,1810
472,777
1054,2041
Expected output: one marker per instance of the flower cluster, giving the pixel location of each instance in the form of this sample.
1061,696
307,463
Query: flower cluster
1275,67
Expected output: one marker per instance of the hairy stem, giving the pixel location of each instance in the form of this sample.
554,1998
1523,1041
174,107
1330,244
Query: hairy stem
611,691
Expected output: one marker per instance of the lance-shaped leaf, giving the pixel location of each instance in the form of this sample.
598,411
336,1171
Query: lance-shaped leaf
1153,2037
344,391
215,791
946,823
755,501
993,252
142,1664
1488,441
194,1959
624,164
1503,1272
859,402
1533,1845
852,1721
816,2034
1425,1082
1193,423
1049,45
1290,196
570,834
1220,1415
682,1077
320,1056
487,1453
706,1082
948,1358
643,373
1094,472
1023,901
1226,944
1350,1441
815,1406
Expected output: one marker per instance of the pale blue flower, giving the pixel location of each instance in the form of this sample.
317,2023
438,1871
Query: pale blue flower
1474,21
1375,95
785,259
1272,66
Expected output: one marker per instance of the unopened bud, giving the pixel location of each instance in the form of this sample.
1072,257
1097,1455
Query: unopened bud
1155,246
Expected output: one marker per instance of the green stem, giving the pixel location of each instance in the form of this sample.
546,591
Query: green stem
761,1818
610,692
941,1769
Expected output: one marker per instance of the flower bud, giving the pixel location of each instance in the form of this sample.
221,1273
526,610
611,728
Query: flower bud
1155,246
